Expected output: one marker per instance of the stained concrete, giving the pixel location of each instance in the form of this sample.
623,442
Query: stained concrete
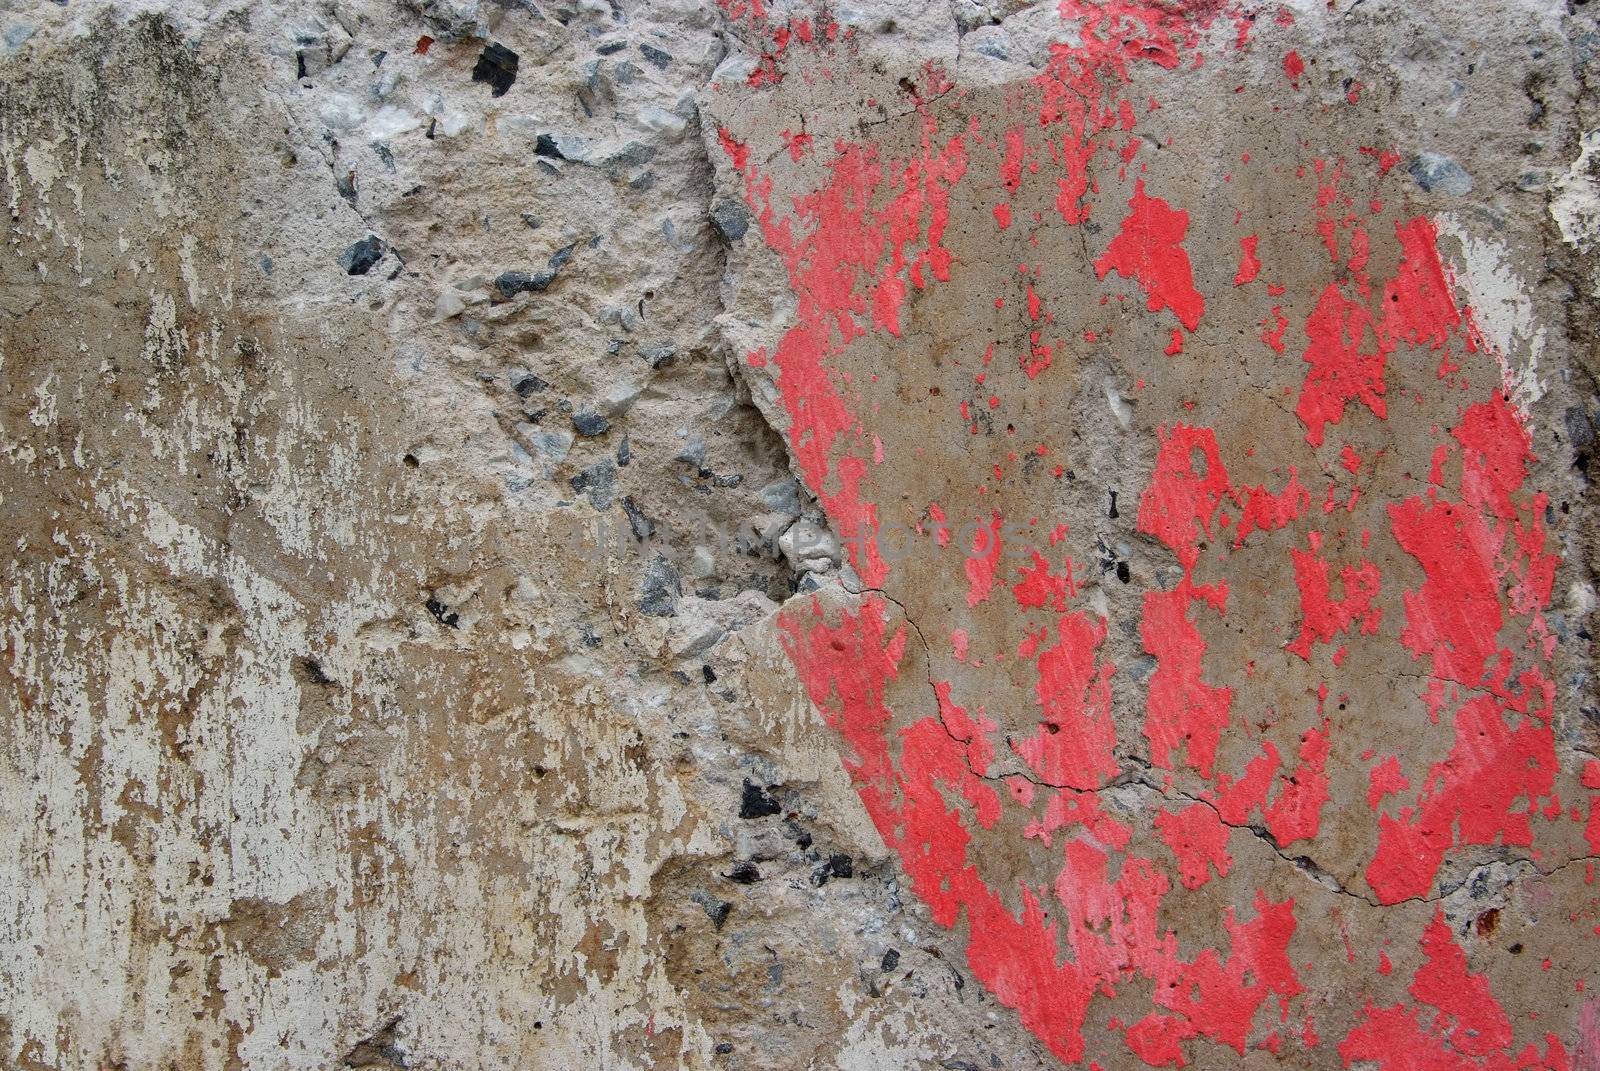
900,535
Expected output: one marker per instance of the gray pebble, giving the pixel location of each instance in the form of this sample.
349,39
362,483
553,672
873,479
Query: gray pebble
1437,173
730,219
659,590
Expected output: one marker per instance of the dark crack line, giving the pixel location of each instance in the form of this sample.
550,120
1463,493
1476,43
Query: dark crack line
1131,774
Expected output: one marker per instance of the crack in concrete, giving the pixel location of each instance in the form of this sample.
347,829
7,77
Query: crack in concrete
1135,771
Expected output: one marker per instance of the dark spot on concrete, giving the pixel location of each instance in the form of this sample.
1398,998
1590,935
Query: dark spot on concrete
755,803
497,65
599,482
659,590
442,613
660,355
561,256
744,873
378,1049
359,257
589,423
730,219
1437,173
511,283
643,527
659,59
525,383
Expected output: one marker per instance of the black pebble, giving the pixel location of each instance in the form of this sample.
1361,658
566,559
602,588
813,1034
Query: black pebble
526,383
657,57
589,423
497,65
755,803
512,283
891,959
744,874
359,258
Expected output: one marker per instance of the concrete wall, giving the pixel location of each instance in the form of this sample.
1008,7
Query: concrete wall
893,535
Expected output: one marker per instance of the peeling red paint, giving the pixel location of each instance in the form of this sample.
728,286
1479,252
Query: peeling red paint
1293,67
855,249
1249,263
1149,248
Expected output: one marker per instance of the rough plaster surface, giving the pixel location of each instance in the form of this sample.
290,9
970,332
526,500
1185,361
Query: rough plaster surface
892,535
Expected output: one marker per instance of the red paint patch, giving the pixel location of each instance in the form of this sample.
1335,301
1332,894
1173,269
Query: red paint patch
1149,248
1249,263
1293,67
1200,841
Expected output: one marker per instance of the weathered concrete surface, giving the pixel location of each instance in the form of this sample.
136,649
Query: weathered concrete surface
906,535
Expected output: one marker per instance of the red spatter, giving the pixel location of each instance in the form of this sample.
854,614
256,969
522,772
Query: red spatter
1041,587
1322,618
1418,304
1474,790
1455,616
1076,738
853,249
1293,67
1199,840
1444,982
1174,347
1343,367
1268,511
1011,166
1178,506
1109,927
1219,1001
1386,158
1591,831
797,144
1385,779
980,564
836,249
1296,813
972,732
1180,503
1249,263
1456,1025
1149,249
1002,215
